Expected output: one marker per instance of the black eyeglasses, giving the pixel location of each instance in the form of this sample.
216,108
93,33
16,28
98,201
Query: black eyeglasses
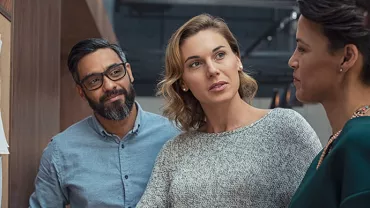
95,81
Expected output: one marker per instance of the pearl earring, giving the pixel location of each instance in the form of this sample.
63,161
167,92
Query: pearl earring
241,67
184,89
341,69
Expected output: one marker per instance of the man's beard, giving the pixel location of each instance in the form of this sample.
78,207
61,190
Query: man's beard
116,110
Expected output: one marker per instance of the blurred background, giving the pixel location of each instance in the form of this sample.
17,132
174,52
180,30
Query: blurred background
38,97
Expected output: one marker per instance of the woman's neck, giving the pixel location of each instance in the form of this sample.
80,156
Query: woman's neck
230,115
341,108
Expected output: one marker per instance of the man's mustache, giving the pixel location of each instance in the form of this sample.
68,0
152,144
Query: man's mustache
112,93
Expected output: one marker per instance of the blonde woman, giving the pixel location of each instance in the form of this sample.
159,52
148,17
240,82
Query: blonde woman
231,154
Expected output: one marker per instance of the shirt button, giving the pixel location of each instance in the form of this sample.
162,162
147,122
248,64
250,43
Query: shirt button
123,146
126,176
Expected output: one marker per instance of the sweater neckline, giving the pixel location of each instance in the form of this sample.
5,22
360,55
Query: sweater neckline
239,129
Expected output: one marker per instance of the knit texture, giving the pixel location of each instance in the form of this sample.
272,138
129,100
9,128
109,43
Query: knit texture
258,166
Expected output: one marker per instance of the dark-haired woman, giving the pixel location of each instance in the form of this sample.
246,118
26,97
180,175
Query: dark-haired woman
331,66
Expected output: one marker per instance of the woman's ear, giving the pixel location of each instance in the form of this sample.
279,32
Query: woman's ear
183,86
350,57
240,64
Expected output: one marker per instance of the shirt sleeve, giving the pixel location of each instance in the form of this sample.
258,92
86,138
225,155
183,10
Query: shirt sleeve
48,190
156,193
301,147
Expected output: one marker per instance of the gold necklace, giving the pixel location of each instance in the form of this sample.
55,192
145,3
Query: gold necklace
358,113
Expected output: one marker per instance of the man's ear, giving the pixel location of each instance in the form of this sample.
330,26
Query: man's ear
350,57
129,72
80,92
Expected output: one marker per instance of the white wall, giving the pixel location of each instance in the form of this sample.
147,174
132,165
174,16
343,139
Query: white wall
313,113
151,104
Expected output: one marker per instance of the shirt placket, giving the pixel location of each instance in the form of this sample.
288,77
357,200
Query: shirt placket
125,177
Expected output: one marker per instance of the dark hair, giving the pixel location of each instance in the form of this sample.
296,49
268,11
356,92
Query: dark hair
343,22
85,47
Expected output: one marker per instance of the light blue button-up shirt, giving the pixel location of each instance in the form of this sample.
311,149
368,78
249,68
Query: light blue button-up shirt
85,166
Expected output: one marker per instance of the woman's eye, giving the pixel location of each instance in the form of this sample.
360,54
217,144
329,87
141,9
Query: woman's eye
300,49
195,64
220,55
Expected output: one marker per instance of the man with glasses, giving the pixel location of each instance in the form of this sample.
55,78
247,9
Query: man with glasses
106,159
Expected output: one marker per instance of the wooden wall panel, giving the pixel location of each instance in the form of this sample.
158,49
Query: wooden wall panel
101,19
35,91
74,15
5,31
6,8
80,20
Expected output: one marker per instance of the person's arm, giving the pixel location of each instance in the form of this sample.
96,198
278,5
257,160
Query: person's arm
156,193
301,146
48,191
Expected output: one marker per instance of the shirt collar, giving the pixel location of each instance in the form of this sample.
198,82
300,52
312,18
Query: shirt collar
138,118
100,129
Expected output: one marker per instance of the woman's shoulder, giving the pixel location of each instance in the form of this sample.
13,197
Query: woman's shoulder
293,126
356,133
182,138
287,118
361,124
285,113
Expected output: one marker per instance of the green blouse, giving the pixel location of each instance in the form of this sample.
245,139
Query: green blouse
343,179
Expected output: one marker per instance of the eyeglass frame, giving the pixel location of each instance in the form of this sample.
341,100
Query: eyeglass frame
102,74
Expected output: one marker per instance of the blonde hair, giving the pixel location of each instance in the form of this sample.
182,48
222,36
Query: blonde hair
182,107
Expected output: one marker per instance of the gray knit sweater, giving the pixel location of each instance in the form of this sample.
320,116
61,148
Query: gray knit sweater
257,166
